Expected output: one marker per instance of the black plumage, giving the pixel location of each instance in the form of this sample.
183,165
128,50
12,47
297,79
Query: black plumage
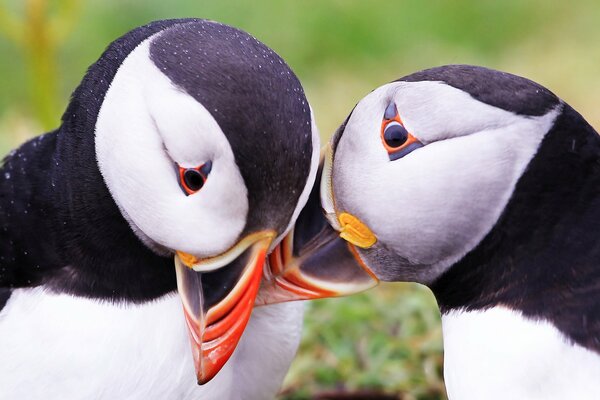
59,224
496,88
203,59
4,296
542,257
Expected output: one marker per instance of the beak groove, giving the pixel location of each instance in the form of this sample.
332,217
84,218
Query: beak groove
332,269
215,324
318,258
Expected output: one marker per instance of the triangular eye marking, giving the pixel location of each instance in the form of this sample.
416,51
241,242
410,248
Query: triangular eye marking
396,139
391,111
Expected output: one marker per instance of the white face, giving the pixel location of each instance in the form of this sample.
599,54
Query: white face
146,128
435,204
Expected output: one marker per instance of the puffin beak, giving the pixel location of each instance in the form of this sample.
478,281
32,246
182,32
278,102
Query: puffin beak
316,259
326,266
218,295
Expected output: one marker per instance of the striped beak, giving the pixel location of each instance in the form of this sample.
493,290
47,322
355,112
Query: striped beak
218,295
327,266
316,260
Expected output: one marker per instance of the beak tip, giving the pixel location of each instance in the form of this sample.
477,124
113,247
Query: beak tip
204,376
202,380
215,330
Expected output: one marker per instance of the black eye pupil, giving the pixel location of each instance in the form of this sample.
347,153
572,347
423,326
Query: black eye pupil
193,179
395,135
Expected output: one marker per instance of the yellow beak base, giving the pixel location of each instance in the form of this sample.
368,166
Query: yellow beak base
355,231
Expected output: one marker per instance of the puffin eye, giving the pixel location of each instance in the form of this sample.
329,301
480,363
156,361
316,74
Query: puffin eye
396,139
192,180
395,135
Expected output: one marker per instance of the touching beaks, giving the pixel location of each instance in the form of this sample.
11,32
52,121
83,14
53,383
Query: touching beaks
218,295
316,259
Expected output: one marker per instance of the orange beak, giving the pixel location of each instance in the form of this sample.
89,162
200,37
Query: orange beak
332,269
314,260
218,295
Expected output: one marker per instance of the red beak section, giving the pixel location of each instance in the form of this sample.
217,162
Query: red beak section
313,261
217,305
330,267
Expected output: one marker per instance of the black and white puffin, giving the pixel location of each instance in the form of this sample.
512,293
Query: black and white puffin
186,137
484,186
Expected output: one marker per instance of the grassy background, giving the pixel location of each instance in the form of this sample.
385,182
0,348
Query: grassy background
389,339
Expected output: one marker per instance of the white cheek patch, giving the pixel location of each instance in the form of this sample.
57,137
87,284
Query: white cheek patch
434,111
437,203
145,127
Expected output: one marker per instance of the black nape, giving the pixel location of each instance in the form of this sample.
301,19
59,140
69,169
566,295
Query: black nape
499,89
541,258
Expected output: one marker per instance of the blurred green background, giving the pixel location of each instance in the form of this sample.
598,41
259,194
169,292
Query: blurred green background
386,341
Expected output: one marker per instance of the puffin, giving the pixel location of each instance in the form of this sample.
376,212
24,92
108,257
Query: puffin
134,238
485,187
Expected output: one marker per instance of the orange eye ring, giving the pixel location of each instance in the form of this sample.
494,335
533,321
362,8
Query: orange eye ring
396,139
192,180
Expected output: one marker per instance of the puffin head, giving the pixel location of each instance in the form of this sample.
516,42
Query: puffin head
423,167
207,145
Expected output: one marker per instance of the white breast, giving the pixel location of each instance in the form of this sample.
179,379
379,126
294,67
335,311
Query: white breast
61,347
499,354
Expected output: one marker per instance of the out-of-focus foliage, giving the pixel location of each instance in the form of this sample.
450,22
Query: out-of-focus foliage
384,341
341,49
37,29
388,339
